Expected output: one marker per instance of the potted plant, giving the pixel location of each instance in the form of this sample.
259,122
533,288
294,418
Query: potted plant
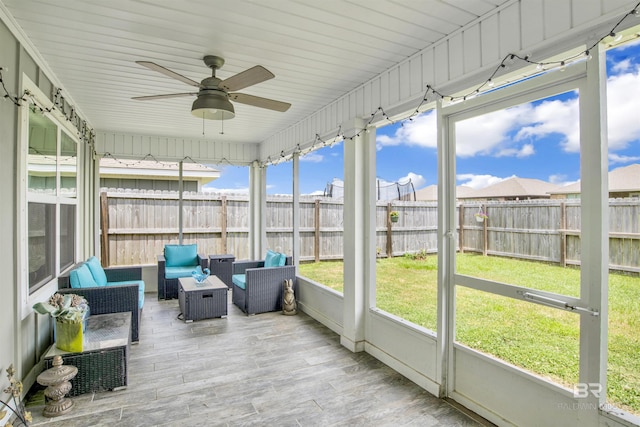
480,216
393,215
70,312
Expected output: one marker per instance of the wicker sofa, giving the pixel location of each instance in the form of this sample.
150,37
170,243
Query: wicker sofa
259,289
177,261
124,291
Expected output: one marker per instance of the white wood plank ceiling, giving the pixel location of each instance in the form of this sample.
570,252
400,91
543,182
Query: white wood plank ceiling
318,50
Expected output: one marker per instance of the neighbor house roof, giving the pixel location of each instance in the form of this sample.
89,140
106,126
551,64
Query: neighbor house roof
431,192
623,179
514,187
151,169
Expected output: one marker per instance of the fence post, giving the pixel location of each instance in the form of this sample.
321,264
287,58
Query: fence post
223,225
104,226
389,233
485,244
316,237
563,234
461,226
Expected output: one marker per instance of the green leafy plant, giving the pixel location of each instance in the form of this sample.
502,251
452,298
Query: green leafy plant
394,214
15,392
67,308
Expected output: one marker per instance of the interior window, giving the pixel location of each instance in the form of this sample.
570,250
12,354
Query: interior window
51,195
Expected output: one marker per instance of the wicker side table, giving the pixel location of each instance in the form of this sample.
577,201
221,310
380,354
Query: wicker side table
102,365
222,267
202,300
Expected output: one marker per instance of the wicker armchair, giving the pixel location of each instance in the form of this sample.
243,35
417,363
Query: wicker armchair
263,287
168,283
111,299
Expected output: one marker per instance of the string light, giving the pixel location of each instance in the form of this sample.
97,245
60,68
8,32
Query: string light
85,133
88,135
508,60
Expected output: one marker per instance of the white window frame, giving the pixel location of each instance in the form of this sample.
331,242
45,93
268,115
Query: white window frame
27,299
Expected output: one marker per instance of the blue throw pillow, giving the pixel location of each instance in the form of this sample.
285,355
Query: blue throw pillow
181,255
81,278
97,271
272,259
282,261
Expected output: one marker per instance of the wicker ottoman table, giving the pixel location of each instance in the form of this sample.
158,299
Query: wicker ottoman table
102,365
202,300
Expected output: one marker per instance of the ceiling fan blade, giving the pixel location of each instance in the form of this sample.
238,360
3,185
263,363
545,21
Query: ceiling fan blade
168,95
250,77
257,101
167,72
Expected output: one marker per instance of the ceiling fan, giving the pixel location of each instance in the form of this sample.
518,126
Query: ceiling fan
213,96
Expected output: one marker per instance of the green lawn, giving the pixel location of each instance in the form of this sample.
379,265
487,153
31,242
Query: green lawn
507,328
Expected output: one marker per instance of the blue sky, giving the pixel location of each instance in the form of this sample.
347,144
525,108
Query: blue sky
535,140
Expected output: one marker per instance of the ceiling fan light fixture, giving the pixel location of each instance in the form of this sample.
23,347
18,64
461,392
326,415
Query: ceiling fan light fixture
214,100
213,105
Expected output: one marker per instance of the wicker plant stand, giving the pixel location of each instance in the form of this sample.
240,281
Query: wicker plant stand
102,365
202,300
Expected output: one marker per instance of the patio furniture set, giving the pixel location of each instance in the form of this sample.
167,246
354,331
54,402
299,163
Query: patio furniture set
116,298
257,286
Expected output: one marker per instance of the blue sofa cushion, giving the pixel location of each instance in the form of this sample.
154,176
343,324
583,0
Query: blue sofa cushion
239,280
272,259
81,277
176,272
140,284
181,255
97,271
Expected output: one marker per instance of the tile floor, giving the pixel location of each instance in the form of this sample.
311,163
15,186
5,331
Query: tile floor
262,370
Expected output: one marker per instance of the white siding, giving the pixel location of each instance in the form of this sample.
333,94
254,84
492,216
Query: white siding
174,149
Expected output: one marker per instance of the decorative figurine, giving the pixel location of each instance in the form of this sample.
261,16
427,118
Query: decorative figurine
289,306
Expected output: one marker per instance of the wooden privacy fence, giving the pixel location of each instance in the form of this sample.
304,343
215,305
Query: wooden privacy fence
137,224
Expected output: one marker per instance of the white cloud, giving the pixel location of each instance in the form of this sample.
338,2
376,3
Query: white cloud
560,179
486,133
622,66
554,117
479,181
312,157
421,131
557,178
525,151
386,140
418,181
617,159
623,92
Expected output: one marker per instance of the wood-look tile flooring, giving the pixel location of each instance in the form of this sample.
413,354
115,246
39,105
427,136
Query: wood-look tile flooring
262,370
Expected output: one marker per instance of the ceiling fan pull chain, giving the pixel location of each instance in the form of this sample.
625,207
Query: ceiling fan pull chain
222,126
